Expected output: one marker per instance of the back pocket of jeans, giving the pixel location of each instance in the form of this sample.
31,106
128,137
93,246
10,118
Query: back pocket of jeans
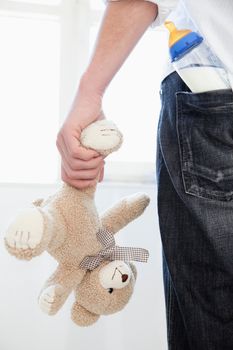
205,135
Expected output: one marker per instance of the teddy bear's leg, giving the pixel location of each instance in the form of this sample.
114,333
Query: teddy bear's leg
58,288
81,316
125,211
28,235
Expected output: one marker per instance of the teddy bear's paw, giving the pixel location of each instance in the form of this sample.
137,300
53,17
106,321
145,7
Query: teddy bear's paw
52,299
25,233
102,136
138,199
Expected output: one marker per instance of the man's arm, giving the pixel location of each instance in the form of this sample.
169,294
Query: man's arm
123,24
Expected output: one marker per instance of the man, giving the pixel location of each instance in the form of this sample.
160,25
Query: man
194,165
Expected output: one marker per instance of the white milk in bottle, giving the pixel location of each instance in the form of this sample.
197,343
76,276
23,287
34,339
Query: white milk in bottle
194,61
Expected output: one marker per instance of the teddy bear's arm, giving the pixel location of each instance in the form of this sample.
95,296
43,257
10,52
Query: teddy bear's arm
125,211
58,287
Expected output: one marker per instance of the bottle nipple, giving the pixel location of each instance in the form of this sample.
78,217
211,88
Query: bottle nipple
175,34
181,40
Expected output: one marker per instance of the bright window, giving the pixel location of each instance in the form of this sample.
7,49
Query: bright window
29,90
44,48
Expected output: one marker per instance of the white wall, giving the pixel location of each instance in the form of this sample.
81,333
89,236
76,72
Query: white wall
141,325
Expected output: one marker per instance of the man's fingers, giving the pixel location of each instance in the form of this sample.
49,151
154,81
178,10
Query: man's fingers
75,150
89,174
78,164
80,184
80,167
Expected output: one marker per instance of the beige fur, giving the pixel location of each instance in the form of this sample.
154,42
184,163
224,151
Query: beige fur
70,224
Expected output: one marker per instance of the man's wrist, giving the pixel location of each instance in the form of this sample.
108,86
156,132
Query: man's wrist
90,85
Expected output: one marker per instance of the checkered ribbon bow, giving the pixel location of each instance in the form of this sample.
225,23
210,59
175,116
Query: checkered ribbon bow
112,252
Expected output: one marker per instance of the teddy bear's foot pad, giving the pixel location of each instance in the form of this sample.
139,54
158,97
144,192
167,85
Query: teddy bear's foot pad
24,235
52,299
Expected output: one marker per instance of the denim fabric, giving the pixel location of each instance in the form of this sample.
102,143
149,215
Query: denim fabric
195,207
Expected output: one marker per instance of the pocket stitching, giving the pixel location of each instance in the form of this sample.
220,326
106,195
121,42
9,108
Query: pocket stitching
185,179
189,179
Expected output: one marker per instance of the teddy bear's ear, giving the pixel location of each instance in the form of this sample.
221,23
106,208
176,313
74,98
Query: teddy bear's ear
37,202
134,270
82,317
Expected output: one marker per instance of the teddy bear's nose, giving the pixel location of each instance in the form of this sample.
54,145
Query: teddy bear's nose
124,277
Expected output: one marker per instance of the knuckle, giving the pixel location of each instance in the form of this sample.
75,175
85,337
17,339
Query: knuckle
73,164
85,156
72,175
74,153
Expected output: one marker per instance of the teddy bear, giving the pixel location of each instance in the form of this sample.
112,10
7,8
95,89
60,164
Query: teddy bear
67,225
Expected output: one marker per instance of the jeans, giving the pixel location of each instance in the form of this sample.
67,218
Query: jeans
195,207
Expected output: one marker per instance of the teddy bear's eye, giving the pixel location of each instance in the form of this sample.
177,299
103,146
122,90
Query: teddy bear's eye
110,290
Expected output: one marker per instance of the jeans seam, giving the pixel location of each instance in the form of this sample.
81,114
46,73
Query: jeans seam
170,312
179,111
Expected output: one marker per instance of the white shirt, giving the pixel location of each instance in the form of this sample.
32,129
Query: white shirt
212,18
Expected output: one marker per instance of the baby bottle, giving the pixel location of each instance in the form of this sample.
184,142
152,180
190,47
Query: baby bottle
194,61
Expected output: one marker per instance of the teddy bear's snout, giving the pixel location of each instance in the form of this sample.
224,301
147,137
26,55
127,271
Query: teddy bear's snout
115,274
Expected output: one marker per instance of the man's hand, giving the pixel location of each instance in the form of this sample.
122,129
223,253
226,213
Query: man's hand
80,167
